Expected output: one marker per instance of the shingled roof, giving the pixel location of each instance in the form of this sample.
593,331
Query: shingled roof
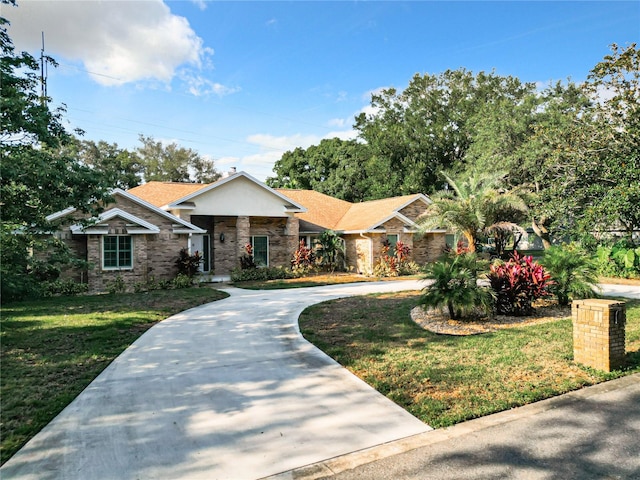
163,193
339,215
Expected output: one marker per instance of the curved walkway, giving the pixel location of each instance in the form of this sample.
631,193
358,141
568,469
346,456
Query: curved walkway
228,390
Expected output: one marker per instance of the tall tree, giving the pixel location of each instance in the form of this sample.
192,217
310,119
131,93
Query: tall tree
584,154
429,127
172,163
35,178
334,167
119,165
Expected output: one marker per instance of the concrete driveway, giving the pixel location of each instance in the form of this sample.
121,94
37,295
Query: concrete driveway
228,390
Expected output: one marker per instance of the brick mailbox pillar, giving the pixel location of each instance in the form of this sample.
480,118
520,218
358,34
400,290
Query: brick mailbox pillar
599,333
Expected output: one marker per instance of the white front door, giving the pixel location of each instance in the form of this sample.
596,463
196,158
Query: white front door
200,244
196,246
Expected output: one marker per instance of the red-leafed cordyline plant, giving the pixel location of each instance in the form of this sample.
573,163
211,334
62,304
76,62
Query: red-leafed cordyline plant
517,284
246,260
303,259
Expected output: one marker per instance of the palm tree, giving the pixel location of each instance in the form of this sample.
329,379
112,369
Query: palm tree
330,249
474,206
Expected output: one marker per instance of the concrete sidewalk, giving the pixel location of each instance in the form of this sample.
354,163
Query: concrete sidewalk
229,390
589,434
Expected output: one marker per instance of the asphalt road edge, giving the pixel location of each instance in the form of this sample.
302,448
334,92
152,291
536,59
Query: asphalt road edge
335,465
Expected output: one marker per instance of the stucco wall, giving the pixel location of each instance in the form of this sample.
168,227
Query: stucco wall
240,197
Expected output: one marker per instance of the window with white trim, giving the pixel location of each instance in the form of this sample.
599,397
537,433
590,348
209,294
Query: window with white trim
260,245
393,240
117,252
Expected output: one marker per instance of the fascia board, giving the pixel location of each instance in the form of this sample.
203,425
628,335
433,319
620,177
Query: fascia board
60,214
397,215
192,228
420,196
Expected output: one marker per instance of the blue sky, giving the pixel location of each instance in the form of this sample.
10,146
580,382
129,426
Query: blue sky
242,82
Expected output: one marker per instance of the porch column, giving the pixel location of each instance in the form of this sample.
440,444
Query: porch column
292,232
243,236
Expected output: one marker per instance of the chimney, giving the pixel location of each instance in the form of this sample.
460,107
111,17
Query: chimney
232,171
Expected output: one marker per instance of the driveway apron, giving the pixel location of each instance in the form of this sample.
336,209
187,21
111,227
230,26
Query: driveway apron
228,390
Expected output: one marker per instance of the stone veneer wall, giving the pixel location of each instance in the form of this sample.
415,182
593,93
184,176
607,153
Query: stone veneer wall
283,237
359,250
154,255
414,210
428,248
358,254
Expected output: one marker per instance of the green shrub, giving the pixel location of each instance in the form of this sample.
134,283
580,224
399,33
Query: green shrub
573,272
182,281
456,286
118,285
409,268
64,287
517,283
622,259
260,274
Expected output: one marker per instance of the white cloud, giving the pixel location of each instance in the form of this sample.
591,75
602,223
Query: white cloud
337,122
118,41
201,4
343,134
283,143
271,148
198,85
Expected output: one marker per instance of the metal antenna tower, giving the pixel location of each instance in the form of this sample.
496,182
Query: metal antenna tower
43,72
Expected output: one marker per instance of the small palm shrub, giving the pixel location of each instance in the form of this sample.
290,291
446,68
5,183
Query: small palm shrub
456,287
331,251
573,272
517,284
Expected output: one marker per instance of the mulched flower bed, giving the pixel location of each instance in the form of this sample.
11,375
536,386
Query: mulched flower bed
437,321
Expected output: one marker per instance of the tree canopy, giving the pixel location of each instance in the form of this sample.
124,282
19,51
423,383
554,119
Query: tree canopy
333,167
173,163
575,147
36,177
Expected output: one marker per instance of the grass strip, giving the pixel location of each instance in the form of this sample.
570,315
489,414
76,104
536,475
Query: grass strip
443,380
53,348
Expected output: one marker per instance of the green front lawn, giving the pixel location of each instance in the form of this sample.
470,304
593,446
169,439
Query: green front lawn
53,348
444,380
